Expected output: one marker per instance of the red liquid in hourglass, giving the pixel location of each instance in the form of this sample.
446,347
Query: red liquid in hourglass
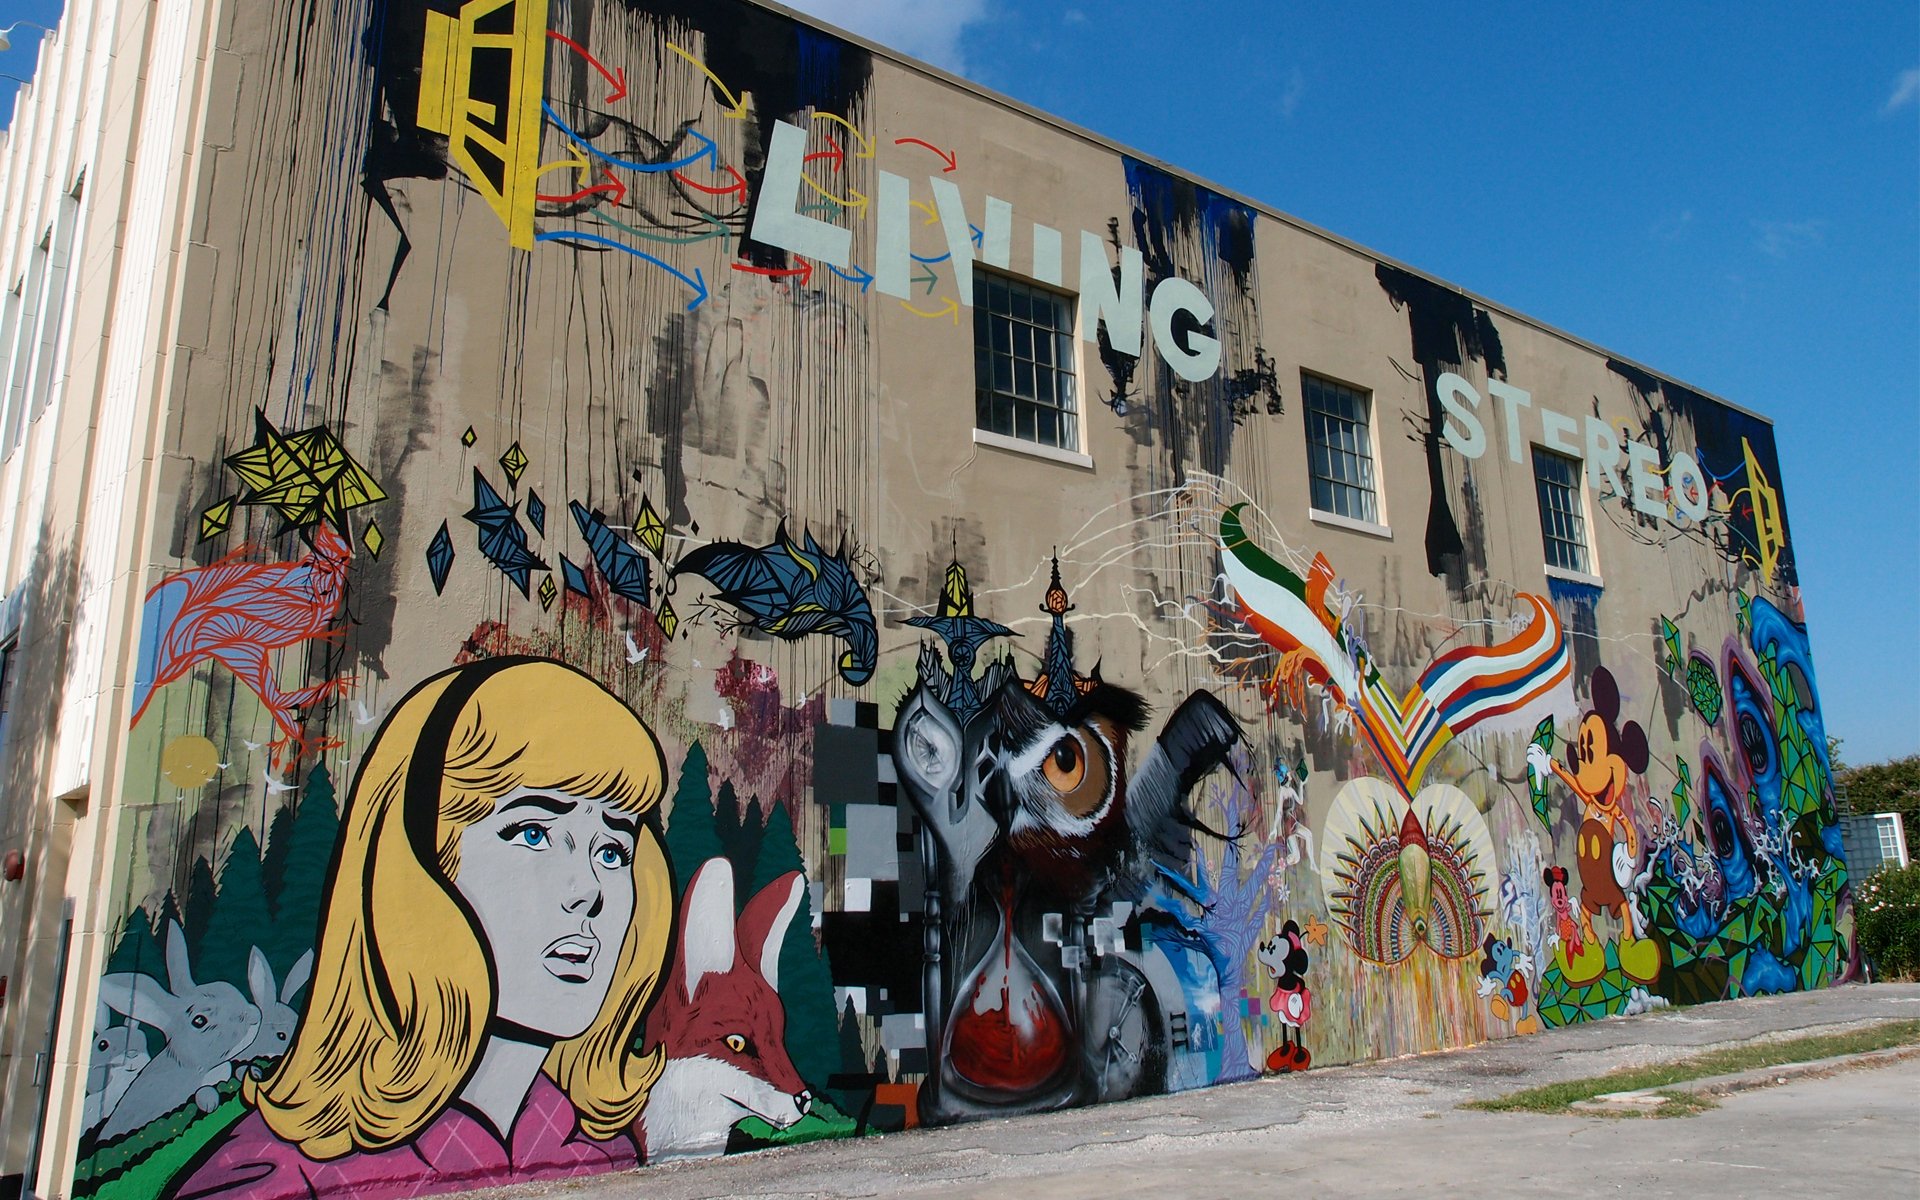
1007,1031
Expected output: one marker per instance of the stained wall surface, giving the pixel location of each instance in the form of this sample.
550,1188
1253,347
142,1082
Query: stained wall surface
601,695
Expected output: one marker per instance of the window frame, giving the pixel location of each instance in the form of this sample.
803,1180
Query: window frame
1377,525
1066,363
1578,487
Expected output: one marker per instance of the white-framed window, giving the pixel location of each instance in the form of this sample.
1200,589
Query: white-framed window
1893,842
1340,451
1023,362
1557,481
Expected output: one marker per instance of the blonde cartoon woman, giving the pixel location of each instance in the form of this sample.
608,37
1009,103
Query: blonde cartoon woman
494,926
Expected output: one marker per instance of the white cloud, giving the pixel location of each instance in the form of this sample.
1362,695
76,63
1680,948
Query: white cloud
1906,90
1290,98
926,29
1074,16
1777,239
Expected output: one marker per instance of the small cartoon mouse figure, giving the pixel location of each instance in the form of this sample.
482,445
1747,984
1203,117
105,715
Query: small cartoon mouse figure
1286,957
1574,928
1601,758
1503,979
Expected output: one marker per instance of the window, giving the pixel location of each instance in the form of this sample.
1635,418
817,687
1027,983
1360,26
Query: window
1892,845
1340,449
1023,356
1563,521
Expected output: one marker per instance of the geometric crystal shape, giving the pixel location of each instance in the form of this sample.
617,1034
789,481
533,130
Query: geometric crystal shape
514,463
650,529
547,591
503,540
216,518
307,477
537,512
625,570
669,620
575,577
468,438
440,558
372,538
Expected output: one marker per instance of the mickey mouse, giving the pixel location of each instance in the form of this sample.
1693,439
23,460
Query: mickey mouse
1601,758
1286,957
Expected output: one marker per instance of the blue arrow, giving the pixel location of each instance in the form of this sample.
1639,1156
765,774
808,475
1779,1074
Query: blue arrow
707,149
979,234
698,283
942,258
861,276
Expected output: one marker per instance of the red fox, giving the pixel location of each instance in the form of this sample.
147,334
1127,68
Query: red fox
721,1020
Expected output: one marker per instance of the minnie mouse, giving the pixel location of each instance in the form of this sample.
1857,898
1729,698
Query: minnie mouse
1286,957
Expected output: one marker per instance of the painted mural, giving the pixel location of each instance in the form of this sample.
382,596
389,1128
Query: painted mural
585,716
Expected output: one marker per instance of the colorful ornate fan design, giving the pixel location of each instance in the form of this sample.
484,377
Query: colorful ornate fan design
1398,876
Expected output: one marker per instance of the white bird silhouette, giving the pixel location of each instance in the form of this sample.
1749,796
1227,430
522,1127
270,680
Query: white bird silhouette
274,786
225,766
360,714
635,653
252,747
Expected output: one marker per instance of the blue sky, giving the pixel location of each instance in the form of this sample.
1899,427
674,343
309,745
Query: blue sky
1729,193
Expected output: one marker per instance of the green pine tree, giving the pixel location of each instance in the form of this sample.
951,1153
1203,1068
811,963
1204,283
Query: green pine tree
806,983
315,827
851,1054
692,837
198,909
740,828
273,858
239,921
138,951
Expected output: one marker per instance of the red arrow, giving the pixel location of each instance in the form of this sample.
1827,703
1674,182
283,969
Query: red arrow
617,78
614,184
738,185
838,154
952,160
804,271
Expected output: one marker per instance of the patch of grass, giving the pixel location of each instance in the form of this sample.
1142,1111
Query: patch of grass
1555,1097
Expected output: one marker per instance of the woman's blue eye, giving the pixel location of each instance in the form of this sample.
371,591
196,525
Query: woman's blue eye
534,836
614,856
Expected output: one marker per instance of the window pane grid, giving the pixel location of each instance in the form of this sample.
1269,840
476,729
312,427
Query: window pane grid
1563,526
1023,356
1339,450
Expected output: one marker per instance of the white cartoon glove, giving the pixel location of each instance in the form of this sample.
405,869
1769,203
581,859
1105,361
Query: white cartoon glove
1539,762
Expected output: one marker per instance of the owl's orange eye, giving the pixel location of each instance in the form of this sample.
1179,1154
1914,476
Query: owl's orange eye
1066,766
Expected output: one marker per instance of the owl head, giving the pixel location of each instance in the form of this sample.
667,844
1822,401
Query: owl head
1056,783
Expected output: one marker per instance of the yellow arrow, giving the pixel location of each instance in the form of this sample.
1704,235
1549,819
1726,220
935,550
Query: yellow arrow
739,103
578,162
952,309
933,216
853,200
865,142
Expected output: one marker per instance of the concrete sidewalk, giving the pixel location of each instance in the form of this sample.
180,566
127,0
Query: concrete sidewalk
1394,1128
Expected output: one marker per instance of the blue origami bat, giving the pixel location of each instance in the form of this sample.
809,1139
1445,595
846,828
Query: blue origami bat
791,589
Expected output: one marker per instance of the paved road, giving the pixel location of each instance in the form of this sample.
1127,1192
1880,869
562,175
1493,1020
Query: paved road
1394,1128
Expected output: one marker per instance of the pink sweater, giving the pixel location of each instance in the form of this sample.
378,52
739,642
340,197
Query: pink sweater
457,1152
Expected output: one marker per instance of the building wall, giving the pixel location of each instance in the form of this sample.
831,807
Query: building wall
591,667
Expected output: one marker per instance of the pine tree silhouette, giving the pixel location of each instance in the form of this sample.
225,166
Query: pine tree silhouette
273,858
137,950
314,828
692,838
240,919
740,828
198,910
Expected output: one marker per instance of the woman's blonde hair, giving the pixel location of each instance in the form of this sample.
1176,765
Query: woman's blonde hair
403,988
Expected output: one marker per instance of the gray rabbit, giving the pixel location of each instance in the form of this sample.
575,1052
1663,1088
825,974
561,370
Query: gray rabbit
277,1018
207,1025
119,1054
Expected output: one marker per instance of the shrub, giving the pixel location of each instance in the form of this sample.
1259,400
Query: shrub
1886,921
